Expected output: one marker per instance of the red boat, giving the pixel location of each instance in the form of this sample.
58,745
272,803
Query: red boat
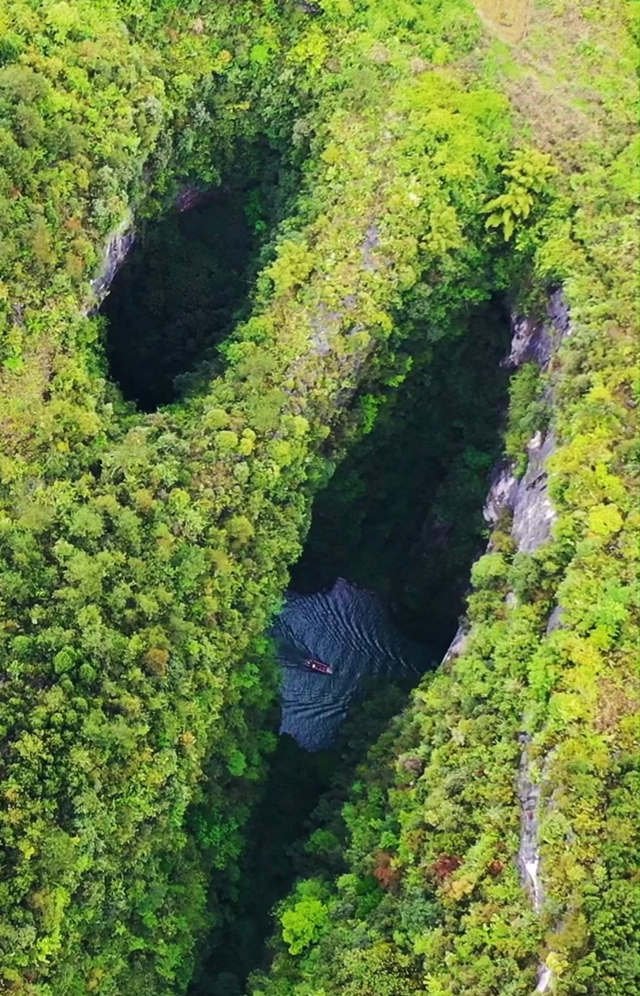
312,664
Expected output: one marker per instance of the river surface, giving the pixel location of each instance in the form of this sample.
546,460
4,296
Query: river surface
348,630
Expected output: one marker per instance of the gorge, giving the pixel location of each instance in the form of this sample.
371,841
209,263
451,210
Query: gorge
402,515
290,293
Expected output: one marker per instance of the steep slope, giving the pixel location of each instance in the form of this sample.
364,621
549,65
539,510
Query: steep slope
142,554
492,836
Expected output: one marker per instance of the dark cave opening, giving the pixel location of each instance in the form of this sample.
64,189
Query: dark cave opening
186,282
402,514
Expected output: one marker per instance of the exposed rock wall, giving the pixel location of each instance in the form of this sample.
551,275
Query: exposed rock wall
533,517
123,238
533,513
528,859
528,499
118,247
527,502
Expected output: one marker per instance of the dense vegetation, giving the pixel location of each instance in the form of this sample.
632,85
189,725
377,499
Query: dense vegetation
430,450
414,889
141,555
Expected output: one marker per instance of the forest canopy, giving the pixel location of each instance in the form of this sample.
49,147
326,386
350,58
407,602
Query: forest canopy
398,166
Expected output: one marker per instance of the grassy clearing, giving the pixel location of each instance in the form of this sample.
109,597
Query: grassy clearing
566,73
508,18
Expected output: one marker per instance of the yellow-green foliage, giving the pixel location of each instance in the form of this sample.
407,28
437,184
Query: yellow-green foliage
436,800
141,555
526,175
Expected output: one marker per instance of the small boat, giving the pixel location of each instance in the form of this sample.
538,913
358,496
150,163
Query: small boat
313,664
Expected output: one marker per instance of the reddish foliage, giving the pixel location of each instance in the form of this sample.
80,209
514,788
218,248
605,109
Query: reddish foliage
445,865
387,876
496,867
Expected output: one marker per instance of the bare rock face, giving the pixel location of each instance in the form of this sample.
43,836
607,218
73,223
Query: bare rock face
502,492
533,513
527,499
533,518
555,620
324,324
531,343
529,853
558,311
191,196
545,978
536,342
119,245
457,645
368,249
123,238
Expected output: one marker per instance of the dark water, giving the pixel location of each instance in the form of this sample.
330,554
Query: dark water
348,629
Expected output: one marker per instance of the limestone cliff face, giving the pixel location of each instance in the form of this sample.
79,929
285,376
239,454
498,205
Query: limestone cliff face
533,519
119,245
526,500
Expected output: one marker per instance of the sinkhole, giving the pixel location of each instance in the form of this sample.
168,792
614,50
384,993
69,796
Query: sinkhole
186,282
402,514
401,517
